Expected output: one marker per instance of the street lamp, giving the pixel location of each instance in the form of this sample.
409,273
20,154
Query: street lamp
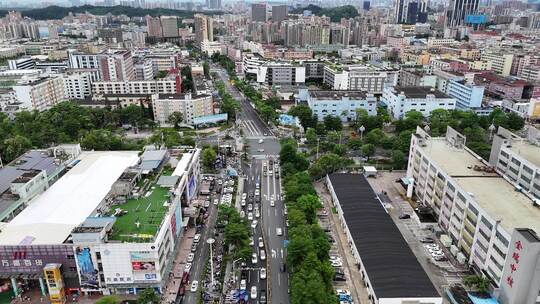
234,274
361,129
211,241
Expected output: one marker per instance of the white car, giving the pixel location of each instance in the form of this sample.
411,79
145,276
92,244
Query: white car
243,284
187,268
262,254
253,292
262,274
285,211
257,192
254,224
279,231
272,197
337,263
250,216
250,207
261,243
190,257
343,291
216,201
432,246
257,213
254,258
243,203
251,242
194,286
261,141
272,203
196,238
206,204
244,196
242,214
260,150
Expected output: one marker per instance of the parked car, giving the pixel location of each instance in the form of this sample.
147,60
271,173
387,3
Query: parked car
187,268
262,274
427,240
261,243
254,224
254,258
190,257
404,216
196,238
262,254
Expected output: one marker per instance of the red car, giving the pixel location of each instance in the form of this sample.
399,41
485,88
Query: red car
185,278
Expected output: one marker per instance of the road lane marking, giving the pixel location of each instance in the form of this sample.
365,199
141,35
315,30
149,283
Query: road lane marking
282,253
279,279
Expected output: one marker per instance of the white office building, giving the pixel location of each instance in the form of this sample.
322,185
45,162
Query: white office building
169,85
77,84
191,106
491,220
354,78
401,100
40,93
338,103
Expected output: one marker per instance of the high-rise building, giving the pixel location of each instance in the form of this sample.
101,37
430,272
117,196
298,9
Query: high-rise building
154,26
411,11
213,4
203,28
169,25
367,5
279,13
258,12
458,10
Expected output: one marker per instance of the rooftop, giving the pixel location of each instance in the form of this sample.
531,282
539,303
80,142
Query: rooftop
50,217
527,150
491,191
337,95
420,92
391,266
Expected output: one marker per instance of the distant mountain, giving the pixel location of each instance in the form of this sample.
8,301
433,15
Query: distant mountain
59,12
335,13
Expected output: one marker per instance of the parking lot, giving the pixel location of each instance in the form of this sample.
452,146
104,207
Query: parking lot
436,263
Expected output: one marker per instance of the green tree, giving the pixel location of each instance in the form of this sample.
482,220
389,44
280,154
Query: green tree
439,119
375,137
108,300
398,159
311,136
515,122
333,123
206,69
208,157
309,204
161,74
268,113
148,296
478,283
175,119
402,142
304,114
368,150
15,146
187,79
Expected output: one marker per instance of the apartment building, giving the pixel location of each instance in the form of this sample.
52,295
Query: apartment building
354,78
113,65
278,73
169,85
415,78
144,70
40,93
500,62
467,95
342,104
491,221
191,106
77,84
401,100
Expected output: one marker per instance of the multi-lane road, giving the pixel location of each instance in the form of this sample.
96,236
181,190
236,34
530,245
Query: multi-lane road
272,217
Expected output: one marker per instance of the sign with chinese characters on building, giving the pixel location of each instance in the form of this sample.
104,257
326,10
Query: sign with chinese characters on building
520,280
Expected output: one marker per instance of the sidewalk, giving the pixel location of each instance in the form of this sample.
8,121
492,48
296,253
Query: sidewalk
170,293
354,281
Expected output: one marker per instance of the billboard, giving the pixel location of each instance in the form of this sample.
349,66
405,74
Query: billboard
191,186
88,274
176,220
143,265
146,266
475,19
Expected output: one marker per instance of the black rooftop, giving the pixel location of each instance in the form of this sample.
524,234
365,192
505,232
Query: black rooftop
419,92
392,268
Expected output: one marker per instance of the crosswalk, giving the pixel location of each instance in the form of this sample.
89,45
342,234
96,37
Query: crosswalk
250,128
